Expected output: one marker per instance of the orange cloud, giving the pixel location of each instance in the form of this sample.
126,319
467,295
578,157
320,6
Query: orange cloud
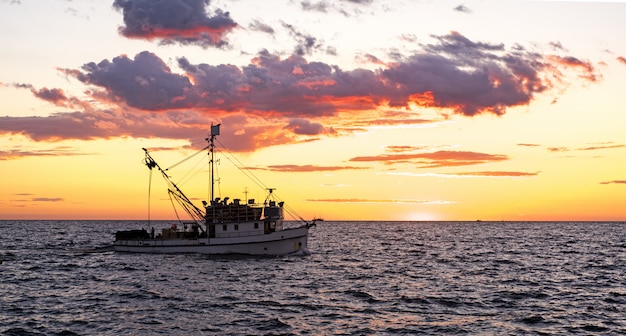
401,149
435,159
307,168
601,147
207,35
573,62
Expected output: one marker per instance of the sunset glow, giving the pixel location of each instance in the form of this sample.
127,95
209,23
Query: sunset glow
353,110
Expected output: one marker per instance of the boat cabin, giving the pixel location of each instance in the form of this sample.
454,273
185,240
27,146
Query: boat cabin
236,219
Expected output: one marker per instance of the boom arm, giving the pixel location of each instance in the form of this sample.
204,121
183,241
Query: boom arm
184,201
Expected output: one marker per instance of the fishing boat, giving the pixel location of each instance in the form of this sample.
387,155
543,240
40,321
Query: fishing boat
222,225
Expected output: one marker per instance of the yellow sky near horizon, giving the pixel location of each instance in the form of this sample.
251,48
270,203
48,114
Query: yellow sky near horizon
393,119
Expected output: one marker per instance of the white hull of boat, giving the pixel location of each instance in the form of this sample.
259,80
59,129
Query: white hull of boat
288,241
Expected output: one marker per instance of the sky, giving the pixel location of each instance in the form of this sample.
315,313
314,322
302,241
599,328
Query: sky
351,109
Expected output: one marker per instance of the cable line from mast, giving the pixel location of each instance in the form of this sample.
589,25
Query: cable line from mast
187,158
233,159
191,173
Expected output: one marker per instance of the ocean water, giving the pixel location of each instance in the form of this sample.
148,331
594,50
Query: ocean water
361,278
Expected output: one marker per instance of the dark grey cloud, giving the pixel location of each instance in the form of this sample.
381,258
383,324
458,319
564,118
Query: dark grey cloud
175,21
344,7
22,86
257,25
55,95
462,8
306,43
274,100
305,126
456,73
145,82
320,6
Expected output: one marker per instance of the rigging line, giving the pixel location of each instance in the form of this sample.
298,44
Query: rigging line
293,214
188,208
183,205
218,180
232,158
255,179
184,202
209,182
196,219
247,173
187,158
186,176
290,210
149,161
173,206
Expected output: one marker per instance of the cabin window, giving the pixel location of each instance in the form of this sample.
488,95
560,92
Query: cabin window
236,227
224,227
256,225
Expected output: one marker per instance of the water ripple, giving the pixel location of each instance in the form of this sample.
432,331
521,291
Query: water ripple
59,278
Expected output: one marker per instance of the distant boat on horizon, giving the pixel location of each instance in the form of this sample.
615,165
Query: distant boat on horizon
222,226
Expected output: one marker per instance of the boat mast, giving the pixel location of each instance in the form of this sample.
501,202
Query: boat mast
215,131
